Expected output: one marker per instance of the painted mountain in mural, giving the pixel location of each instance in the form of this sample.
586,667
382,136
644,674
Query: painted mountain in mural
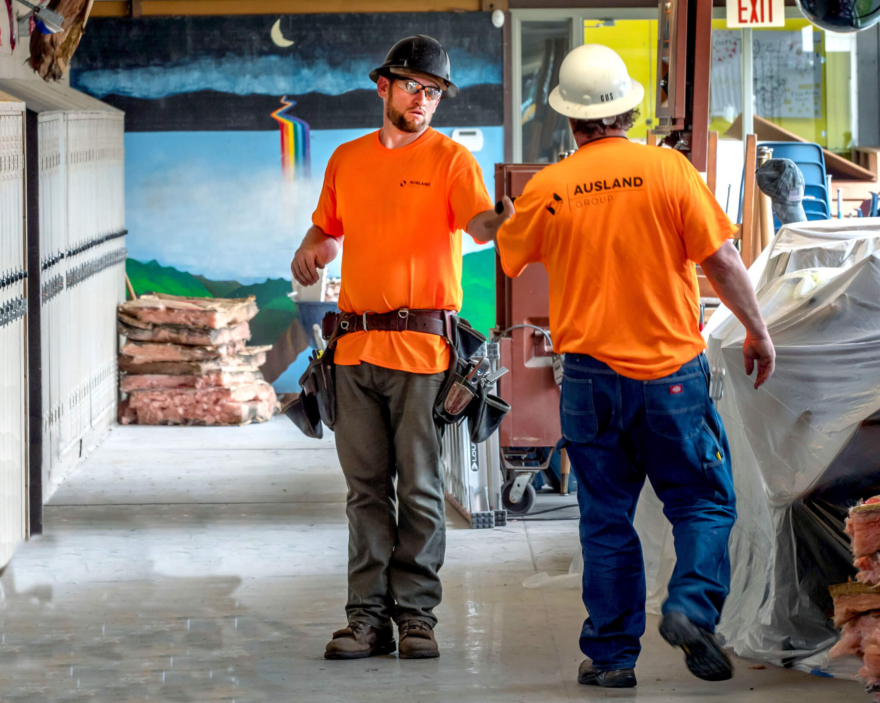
271,294
151,277
219,289
277,311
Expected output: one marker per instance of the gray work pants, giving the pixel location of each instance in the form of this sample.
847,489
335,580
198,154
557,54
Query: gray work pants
385,429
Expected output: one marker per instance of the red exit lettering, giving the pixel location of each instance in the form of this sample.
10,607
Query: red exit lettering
754,11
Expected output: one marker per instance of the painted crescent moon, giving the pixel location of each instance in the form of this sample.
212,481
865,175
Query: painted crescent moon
277,37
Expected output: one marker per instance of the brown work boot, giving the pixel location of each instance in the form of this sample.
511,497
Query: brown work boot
358,641
589,675
417,640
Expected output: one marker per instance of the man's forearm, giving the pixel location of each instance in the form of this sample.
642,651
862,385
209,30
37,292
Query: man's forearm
326,247
484,226
729,278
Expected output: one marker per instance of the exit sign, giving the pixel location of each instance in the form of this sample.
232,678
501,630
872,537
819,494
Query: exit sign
755,13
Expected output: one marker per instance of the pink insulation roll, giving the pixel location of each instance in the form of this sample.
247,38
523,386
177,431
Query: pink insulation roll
180,334
863,527
215,406
211,313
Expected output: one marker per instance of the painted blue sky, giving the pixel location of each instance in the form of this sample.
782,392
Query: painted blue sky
212,203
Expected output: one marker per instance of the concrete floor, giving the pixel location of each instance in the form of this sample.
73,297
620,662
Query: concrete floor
209,565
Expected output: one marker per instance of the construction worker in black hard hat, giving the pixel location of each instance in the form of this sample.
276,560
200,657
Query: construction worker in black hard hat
400,198
419,54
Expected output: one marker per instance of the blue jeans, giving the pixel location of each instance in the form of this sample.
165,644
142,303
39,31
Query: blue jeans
619,431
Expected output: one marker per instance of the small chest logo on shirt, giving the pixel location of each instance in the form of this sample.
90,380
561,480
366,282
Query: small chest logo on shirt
405,183
676,389
554,203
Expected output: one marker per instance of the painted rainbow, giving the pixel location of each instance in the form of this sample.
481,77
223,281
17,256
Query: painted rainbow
295,151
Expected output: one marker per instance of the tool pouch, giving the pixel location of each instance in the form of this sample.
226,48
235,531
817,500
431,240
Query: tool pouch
316,403
457,393
485,416
303,412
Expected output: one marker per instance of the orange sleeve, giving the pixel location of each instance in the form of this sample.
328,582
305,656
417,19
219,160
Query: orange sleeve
705,226
519,239
467,194
326,215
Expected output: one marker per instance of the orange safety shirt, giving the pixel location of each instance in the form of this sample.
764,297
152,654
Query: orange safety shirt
619,226
402,212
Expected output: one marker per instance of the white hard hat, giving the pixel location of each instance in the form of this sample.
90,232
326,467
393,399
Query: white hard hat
594,83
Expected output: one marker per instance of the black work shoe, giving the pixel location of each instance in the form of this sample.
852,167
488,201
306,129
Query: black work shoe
359,641
588,675
704,658
417,640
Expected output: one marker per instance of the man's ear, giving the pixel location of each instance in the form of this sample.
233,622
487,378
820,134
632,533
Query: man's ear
383,87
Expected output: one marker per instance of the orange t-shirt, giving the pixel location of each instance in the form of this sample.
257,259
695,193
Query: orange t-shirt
618,226
402,212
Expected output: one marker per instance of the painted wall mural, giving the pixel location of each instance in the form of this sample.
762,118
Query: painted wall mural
230,123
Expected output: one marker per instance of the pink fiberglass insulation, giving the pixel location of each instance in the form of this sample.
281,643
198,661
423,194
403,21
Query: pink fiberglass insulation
211,313
856,635
863,527
227,413
211,319
869,569
145,352
179,334
126,415
211,379
247,360
214,406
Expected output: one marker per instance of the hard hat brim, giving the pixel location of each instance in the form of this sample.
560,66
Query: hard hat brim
578,111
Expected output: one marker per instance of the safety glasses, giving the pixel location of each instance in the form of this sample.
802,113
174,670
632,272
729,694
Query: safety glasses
412,87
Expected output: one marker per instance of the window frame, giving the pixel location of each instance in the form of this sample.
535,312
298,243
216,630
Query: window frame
576,19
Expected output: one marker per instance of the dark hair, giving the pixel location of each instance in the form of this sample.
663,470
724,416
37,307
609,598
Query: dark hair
597,128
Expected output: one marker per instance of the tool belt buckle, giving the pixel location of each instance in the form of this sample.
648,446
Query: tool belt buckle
364,319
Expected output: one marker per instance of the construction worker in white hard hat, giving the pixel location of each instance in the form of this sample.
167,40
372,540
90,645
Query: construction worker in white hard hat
619,227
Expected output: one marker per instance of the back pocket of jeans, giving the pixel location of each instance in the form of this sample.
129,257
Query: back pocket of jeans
675,406
578,414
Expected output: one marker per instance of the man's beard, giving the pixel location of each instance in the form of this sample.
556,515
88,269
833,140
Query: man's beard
399,120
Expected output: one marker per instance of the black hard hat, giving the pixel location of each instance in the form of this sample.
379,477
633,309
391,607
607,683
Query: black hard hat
419,53
841,15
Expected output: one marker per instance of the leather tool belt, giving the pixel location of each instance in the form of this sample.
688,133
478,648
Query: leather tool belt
438,322
462,394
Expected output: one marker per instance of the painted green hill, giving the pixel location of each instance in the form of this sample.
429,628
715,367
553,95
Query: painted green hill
277,311
270,294
219,289
478,283
154,278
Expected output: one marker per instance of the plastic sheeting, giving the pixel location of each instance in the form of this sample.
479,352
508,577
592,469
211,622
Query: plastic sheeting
805,447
